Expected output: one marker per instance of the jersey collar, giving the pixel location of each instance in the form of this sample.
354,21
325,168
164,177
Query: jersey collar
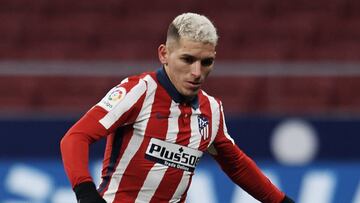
172,91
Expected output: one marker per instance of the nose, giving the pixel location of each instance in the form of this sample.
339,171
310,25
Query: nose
196,69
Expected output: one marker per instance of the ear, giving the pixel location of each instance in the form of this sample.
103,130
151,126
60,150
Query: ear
162,53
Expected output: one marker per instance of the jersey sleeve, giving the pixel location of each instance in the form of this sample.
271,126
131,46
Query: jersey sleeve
240,168
120,106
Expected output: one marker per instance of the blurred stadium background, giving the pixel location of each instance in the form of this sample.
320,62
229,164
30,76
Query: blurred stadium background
287,72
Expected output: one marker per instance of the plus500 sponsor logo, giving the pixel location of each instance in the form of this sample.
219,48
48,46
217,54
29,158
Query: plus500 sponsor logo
173,155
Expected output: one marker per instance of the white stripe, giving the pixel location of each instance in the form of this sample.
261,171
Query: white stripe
215,119
173,122
134,144
130,99
151,183
195,138
181,187
224,125
124,80
173,125
157,172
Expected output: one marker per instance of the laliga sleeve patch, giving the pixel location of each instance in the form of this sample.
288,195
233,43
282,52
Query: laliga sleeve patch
112,98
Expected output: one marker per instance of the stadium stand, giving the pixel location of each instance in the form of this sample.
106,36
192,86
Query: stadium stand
260,30
116,29
256,94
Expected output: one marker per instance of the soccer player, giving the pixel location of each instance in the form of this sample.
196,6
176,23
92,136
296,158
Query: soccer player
158,125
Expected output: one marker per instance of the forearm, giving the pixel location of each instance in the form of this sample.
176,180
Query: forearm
245,173
74,152
75,147
251,179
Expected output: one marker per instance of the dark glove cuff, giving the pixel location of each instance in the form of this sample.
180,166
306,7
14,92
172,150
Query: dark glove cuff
287,200
85,189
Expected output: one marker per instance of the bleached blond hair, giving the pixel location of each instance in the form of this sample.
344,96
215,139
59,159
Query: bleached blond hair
194,27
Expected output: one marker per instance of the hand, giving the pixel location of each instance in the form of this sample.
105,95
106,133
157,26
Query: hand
287,200
86,193
92,200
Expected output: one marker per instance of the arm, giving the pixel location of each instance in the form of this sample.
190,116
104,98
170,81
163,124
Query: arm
119,106
75,149
244,172
75,145
241,169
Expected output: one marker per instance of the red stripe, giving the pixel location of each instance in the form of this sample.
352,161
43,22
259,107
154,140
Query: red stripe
168,185
183,137
138,168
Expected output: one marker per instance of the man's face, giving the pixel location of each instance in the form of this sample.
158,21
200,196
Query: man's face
187,63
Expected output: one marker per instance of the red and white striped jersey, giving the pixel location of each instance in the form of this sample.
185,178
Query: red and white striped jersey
155,140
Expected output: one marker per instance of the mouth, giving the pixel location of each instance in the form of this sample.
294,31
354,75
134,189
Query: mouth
194,85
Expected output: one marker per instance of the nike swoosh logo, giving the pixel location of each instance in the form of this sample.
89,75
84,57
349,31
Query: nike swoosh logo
160,116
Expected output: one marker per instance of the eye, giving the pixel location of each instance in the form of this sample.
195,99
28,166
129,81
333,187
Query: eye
207,62
188,59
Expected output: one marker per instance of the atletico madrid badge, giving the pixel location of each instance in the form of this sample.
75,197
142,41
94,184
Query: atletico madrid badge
203,126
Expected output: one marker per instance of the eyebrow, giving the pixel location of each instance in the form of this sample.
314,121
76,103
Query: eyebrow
201,59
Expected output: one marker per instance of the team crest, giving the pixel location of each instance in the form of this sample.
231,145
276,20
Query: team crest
203,126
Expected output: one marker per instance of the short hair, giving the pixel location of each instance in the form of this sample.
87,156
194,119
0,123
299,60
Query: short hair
194,27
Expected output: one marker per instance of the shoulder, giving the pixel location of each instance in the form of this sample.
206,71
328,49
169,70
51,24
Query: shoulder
205,96
138,77
142,79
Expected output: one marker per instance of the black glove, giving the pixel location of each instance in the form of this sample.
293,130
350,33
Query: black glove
86,193
287,200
